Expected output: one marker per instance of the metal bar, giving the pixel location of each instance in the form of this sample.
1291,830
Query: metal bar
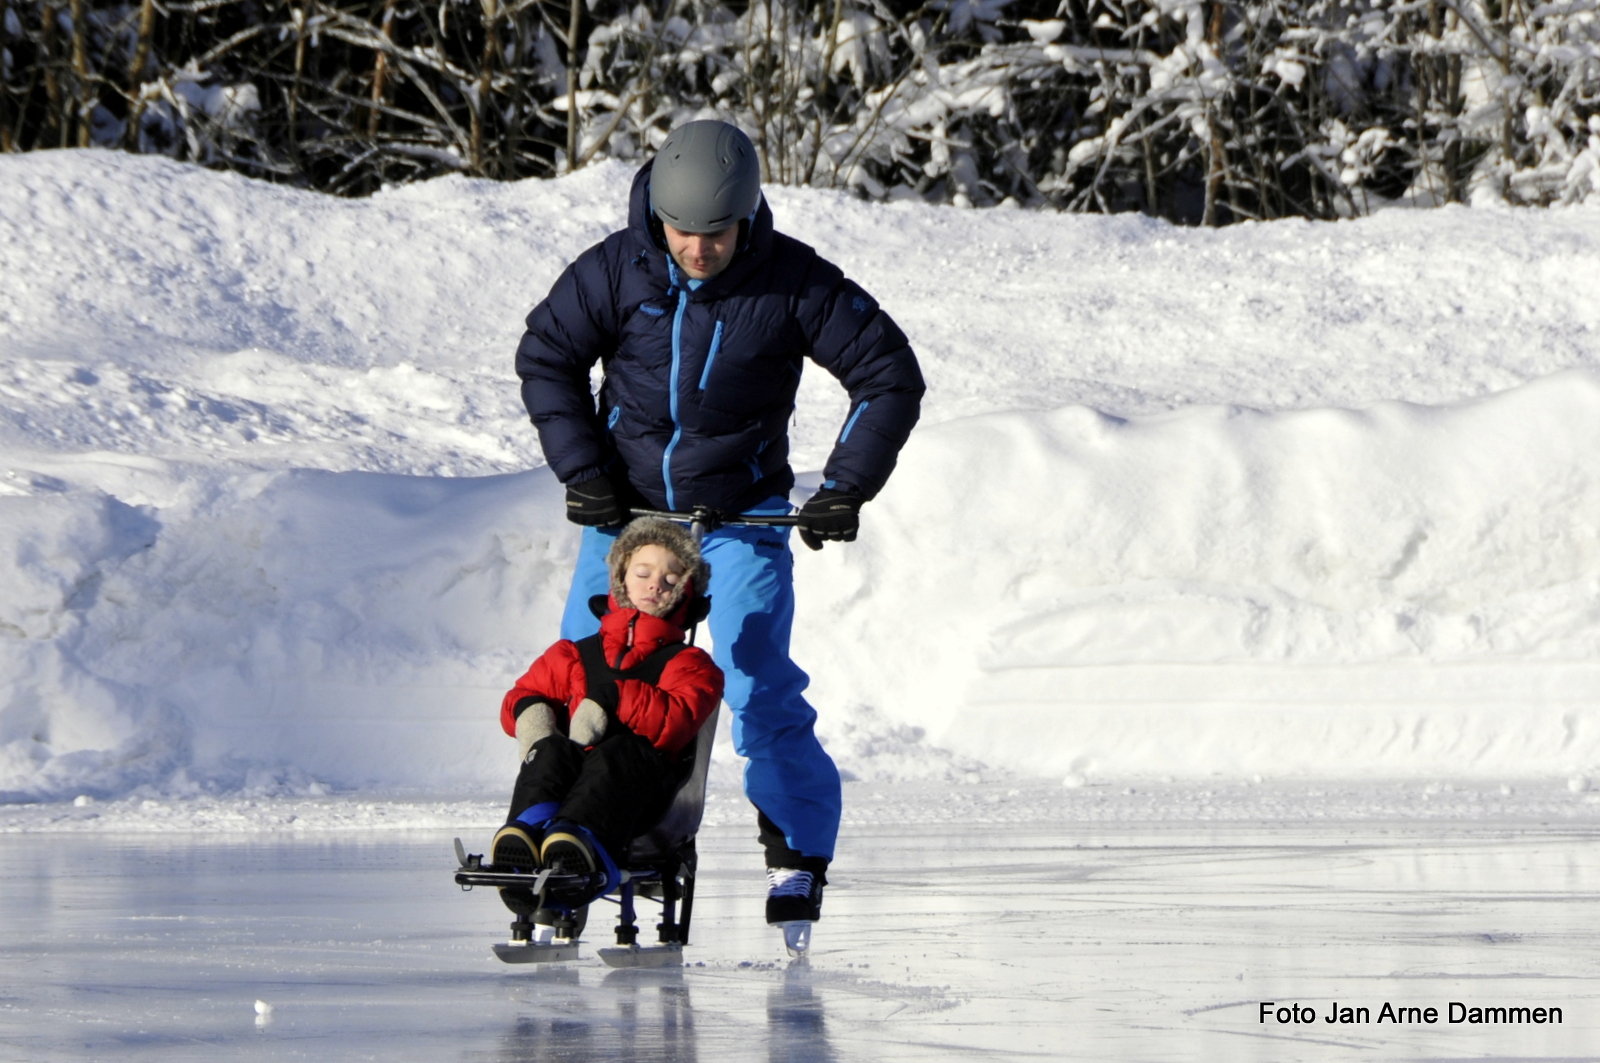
532,882
627,930
668,927
688,905
717,520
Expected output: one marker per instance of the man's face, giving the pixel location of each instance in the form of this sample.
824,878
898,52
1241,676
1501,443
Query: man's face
702,255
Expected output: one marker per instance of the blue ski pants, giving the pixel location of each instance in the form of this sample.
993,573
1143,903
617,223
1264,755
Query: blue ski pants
789,776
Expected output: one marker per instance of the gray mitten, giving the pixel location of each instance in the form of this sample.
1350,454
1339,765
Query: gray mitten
536,721
588,724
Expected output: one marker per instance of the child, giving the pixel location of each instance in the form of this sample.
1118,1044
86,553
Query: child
600,723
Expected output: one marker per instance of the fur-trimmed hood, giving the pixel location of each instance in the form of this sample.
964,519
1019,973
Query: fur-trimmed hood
653,531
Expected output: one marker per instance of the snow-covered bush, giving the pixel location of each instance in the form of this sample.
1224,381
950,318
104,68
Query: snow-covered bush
1198,110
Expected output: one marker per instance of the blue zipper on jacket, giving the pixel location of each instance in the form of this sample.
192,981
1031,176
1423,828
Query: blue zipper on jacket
754,463
716,342
672,403
851,423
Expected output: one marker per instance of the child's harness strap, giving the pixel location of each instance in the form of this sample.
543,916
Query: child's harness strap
600,679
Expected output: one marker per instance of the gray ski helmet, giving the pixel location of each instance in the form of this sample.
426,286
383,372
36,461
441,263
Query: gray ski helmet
705,178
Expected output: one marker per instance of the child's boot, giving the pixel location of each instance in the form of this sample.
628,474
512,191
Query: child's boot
571,850
567,853
514,849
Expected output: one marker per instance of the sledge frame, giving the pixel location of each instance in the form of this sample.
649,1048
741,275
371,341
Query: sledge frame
660,866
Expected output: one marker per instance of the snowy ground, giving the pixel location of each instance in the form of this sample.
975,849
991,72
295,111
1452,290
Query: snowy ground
1000,935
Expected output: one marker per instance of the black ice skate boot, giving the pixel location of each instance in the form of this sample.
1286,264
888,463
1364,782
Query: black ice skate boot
794,904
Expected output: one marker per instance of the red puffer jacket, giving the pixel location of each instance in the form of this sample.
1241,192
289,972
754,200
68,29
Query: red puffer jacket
669,713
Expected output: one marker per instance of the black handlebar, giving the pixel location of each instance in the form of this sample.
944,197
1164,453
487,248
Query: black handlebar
705,519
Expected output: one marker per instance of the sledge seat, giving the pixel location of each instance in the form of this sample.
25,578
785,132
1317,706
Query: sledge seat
678,827
660,865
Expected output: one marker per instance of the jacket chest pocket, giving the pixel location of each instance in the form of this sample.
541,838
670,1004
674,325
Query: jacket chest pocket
744,380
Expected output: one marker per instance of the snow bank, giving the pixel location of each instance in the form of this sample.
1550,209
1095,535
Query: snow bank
1396,590
356,628
271,519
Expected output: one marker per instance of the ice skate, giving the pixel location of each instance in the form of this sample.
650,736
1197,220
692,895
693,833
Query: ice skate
794,904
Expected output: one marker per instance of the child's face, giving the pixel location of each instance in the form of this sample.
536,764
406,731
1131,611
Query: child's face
652,574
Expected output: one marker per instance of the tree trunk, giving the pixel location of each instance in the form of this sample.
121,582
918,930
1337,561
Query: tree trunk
574,25
824,89
764,74
141,55
80,72
54,121
380,71
1215,151
292,118
6,145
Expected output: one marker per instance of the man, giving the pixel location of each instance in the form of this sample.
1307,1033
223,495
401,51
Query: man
700,315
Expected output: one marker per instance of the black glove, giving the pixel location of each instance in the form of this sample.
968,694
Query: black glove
593,503
830,515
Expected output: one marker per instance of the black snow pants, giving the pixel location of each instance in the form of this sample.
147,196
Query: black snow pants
619,789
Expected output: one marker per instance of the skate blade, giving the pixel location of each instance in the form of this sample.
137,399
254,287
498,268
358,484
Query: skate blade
519,952
646,956
797,936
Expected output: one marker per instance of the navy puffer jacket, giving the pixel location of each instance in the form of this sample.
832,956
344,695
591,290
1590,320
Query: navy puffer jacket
699,385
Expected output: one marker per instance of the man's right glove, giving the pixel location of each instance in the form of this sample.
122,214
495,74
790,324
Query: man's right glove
830,515
593,503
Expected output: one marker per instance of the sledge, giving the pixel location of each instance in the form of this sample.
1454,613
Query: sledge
659,867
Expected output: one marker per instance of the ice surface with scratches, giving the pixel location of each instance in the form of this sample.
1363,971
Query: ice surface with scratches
1292,500
1166,941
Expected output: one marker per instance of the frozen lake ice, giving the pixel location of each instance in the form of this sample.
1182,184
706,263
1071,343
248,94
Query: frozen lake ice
1152,941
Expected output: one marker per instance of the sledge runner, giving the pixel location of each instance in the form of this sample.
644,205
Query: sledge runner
701,316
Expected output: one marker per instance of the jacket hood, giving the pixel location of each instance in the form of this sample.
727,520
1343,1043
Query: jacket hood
648,238
675,539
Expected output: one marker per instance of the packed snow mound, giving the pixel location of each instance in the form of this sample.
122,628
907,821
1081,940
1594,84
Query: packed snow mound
1385,591
1278,499
350,627
1395,591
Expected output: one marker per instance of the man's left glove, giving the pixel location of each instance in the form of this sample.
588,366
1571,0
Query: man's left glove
593,503
830,516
